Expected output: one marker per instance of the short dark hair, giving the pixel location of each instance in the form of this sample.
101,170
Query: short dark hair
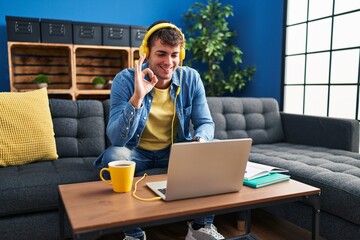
169,36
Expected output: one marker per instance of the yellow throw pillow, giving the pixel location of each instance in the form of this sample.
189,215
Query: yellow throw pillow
26,128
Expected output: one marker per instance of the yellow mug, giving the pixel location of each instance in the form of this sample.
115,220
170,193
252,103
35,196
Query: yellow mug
121,175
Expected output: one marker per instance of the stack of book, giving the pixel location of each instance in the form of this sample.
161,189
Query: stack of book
259,175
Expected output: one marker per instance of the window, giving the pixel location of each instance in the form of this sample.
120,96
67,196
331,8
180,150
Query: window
322,58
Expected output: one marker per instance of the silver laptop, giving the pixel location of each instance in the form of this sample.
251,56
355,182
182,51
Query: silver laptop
202,169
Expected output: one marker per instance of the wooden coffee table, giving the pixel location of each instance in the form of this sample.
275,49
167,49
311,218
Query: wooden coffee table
94,209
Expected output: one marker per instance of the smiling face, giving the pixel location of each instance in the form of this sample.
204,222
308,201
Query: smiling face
163,61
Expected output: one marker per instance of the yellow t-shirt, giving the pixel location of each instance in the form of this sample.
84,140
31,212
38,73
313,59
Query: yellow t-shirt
157,131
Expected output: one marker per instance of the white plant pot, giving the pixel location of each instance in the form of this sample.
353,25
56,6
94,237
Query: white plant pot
42,85
99,86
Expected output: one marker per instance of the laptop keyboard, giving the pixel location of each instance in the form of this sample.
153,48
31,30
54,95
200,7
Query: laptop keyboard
162,190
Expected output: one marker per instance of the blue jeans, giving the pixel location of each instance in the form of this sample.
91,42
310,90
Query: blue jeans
144,160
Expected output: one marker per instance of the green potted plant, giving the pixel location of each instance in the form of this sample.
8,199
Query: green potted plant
42,80
210,43
98,82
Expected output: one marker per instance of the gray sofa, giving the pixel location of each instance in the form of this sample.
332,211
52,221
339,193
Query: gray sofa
320,151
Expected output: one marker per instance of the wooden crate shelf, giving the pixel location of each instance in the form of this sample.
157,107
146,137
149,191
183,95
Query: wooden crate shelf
62,96
71,68
103,62
134,56
93,96
26,60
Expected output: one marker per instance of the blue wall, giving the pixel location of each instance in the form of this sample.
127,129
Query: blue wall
257,22
259,25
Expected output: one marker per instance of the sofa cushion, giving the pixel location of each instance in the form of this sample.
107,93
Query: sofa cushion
256,118
79,127
335,172
26,128
33,187
106,104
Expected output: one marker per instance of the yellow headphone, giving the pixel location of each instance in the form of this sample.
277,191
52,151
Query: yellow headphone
144,49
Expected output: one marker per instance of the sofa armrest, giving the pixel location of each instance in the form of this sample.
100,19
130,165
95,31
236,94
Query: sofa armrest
328,132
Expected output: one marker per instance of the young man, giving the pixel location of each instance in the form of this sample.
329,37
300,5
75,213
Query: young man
151,107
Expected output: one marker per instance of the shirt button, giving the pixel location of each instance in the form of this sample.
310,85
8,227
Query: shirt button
137,135
144,118
132,113
149,101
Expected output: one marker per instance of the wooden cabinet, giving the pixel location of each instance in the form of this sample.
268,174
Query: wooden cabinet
70,68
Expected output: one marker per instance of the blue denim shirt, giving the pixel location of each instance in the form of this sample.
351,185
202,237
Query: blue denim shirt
127,123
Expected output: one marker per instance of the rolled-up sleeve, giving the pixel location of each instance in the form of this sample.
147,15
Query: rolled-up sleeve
124,118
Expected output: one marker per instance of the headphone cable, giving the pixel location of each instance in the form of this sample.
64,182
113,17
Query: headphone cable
140,198
172,142
176,95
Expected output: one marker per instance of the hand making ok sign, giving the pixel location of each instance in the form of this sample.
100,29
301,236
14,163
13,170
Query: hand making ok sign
141,85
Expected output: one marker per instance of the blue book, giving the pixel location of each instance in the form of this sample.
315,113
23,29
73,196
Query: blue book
266,180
